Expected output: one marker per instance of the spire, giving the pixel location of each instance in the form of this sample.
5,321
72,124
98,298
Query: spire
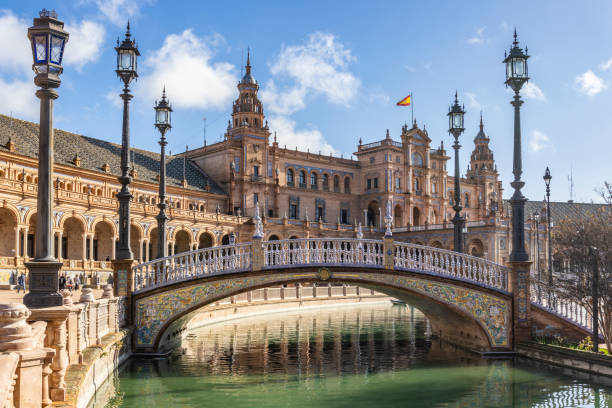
127,32
481,125
248,78
248,64
388,137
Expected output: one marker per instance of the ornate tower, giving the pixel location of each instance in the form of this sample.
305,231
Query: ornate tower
247,110
482,156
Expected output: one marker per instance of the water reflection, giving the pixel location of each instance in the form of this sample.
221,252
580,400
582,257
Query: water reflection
344,357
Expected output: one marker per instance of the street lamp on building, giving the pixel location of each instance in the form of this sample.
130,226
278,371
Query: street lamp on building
127,54
48,38
455,127
516,77
163,113
547,177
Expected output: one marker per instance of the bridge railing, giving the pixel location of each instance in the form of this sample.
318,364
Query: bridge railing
192,264
452,264
562,305
323,251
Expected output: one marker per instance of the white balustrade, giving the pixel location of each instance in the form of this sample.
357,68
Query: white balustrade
563,306
351,252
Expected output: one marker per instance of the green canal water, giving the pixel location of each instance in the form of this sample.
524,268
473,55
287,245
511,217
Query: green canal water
368,356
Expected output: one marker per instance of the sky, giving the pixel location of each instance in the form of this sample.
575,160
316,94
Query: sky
330,73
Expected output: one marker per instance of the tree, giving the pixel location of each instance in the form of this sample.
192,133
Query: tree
584,242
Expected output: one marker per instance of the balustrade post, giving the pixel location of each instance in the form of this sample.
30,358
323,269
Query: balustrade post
521,301
388,253
123,284
257,254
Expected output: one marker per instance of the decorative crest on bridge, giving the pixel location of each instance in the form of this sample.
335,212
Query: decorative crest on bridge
359,234
258,224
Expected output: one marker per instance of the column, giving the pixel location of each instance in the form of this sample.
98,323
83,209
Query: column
25,242
60,245
17,230
91,248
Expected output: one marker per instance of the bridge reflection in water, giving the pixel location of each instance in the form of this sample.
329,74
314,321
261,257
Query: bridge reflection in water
375,355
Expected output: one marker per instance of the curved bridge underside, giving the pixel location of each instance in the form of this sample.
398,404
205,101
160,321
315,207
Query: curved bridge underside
470,314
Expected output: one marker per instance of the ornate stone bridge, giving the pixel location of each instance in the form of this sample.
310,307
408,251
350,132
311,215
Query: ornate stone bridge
469,300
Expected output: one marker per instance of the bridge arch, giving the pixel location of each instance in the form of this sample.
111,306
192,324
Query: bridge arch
456,309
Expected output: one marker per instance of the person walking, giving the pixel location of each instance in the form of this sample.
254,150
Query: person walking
62,282
21,282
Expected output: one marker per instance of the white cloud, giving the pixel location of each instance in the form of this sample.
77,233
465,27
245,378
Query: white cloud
472,101
532,91
478,39
118,11
590,84
379,96
504,26
17,54
184,65
19,98
606,65
84,44
317,67
288,135
538,140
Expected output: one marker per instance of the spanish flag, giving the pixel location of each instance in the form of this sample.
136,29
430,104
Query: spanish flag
405,101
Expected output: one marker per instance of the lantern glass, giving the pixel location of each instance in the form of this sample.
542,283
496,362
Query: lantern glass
457,120
162,116
125,60
40,49
57,49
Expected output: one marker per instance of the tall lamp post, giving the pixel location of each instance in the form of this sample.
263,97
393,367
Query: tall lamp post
163,124
516,77
455,127
48,38
536,218
547,178
127,54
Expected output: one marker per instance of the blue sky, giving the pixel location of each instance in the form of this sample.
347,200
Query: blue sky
331,72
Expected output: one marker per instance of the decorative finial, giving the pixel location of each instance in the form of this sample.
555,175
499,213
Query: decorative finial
456,99
481,125
515,43
388,220
359,234
275,136
388,137
258,224
360,143
127,33
248,64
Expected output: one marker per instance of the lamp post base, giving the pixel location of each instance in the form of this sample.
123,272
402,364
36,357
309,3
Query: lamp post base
44,284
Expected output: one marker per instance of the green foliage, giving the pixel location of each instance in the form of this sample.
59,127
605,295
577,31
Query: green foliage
586,344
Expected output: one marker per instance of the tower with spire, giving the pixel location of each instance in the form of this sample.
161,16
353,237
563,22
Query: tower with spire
481,160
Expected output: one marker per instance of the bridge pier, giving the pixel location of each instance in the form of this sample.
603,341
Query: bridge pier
123,285
520,287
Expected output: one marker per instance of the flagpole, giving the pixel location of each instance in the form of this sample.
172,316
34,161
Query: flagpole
411,109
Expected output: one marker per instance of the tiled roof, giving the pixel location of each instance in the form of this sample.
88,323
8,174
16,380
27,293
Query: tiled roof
559,210
94,153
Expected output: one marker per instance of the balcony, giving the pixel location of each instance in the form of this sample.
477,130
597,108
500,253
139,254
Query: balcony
302,185
257,178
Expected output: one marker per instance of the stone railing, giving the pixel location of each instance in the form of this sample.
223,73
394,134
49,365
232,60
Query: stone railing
451,264
47,341
348,252
560,305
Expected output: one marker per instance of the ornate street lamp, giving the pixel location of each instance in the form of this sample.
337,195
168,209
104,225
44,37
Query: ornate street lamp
163,112
516,77
547,177
127,54
536,218
48,39
455,127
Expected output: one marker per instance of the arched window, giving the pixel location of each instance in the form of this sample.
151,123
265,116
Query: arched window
302,179
434,187
290,178
325,182
417,160
417,185
347,185
467,201
313,180
336,183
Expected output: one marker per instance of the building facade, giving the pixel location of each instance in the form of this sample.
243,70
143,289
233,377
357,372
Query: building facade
213,191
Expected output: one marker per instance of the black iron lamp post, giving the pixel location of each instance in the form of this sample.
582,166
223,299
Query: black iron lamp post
48,38
163,112
127,54
547,178
455,127
516,77
536,218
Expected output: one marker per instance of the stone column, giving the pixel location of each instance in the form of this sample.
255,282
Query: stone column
123,284
25,242
91,248
60,245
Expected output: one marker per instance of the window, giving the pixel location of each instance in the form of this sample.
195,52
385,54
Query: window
255,198
347,185
320,210
398,185
237,164
434,165
398,159
417,160
336,184
290,178
375,182
372,159
293,211
467,201
319,214
325,182
270,171
434,187
270,213
313,181
344,217
255,171
302,179
417,185
450,197
369,184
